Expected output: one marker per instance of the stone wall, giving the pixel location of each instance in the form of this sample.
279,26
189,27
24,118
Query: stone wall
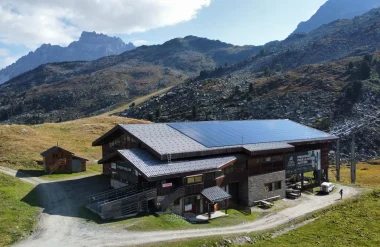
176,209
256,186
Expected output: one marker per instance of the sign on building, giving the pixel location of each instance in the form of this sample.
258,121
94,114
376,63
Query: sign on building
188,207
303,162
167,185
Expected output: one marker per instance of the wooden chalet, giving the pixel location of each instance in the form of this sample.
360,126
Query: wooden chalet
59,160
198,167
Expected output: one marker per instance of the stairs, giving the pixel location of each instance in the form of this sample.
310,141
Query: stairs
179,192
113,194
128,206
60,162
122,202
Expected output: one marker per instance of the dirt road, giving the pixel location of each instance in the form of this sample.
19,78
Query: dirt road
61,225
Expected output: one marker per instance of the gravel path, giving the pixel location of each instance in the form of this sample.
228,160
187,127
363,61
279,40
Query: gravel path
60,224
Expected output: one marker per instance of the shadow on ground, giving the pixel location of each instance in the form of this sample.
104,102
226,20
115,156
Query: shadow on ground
67,198
21,173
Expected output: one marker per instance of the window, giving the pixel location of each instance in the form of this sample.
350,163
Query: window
115,142
190,200
219,173
277,185
240,166
273,186
194,179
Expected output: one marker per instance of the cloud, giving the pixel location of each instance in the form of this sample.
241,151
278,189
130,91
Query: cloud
139,42
32,23
4,52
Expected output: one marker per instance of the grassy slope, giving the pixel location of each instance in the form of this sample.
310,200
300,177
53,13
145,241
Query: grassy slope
17,218
137,101
366,175
21,145
355,222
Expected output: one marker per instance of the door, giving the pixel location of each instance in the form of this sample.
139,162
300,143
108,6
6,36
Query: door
233,190
76,165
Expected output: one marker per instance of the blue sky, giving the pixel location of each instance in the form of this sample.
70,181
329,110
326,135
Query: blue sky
241,22
24,26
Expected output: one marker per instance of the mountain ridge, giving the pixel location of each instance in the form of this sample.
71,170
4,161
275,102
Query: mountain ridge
334,10
90,46
47,93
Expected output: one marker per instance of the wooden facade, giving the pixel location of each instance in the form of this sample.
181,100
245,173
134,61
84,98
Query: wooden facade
59,160
235,177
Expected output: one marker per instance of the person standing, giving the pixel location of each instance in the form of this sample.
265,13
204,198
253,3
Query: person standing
341,194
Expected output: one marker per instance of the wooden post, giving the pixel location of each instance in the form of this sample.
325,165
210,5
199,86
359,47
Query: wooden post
353,161
302,179
209,211
225,205
337,161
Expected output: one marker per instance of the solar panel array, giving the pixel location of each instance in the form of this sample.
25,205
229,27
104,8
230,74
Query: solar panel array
230,133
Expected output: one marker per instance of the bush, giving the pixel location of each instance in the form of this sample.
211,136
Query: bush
365,70
250,88
278,68
368,58
350,65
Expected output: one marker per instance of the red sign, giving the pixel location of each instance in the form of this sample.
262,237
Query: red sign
167,185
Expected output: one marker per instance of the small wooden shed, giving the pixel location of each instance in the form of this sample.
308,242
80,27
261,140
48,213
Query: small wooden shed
59,160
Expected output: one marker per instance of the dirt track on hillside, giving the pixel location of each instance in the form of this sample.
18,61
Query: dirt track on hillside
60,224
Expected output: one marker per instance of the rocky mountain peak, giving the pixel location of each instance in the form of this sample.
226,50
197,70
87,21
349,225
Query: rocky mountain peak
337,9
90,46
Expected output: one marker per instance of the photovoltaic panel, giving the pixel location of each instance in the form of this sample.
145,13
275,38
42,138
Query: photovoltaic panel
231,133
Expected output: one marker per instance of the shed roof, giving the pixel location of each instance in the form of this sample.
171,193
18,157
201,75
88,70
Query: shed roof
80,158
52,149
151,167
215,194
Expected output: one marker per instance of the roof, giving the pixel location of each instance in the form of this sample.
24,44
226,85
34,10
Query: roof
52,149
78,157
231,133
215,194
151,167
257,148
195,139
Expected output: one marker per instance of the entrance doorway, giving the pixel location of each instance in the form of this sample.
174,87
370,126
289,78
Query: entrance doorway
233,190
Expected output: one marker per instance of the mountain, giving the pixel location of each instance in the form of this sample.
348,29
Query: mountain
68,90
328,96
333,41
328,79
90,46
334,10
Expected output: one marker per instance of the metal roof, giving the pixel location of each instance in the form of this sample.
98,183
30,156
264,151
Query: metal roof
151,167
256,148
163,139
183,140
52,149
215,194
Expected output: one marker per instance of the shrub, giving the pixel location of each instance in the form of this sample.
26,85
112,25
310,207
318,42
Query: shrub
365,70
